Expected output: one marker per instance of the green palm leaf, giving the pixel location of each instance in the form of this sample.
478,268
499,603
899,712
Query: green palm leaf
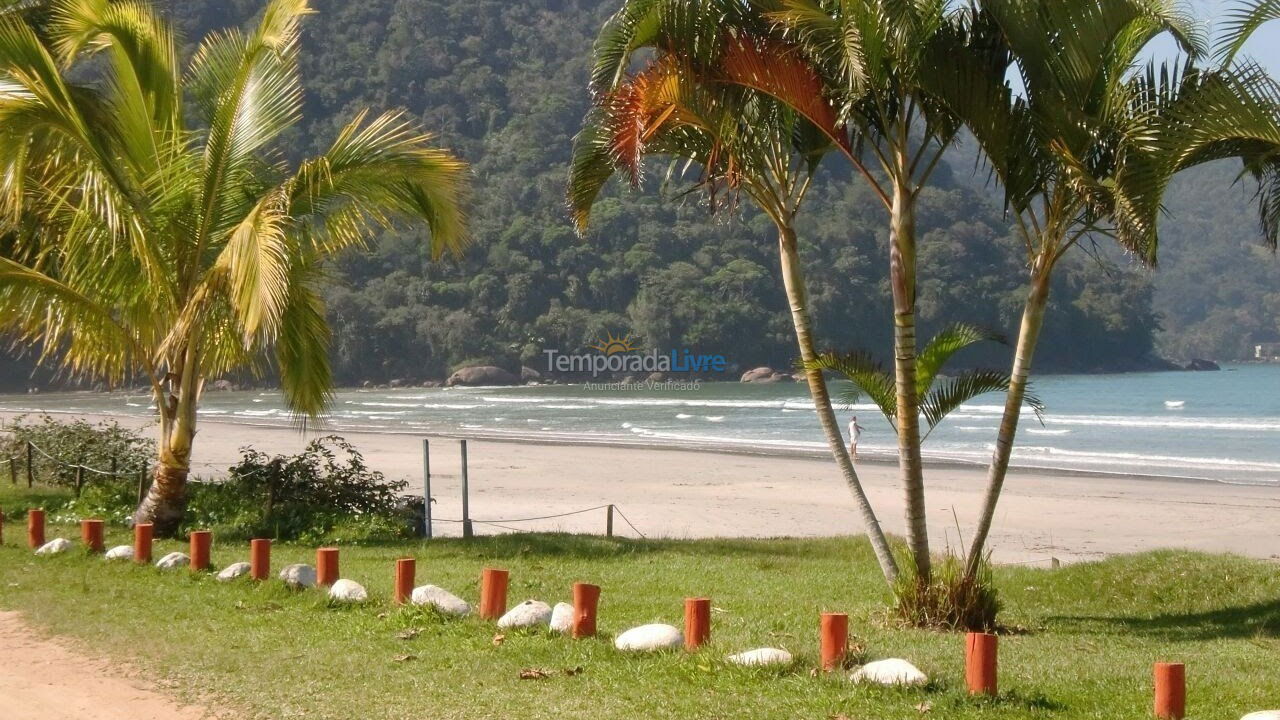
867,376
956,391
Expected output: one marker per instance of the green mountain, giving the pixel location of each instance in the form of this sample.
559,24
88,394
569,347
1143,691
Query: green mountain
503,83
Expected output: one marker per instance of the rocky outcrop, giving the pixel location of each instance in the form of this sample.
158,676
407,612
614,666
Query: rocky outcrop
1200,365
764,375
482,375
529,375
223,386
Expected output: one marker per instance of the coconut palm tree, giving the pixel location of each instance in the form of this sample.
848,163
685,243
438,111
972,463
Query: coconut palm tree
939,395
871,57
1088,144
149,243
746,143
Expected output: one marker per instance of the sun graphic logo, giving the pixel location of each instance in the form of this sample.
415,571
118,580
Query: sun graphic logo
615,346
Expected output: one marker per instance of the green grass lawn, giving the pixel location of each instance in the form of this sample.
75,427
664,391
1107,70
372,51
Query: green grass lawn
1086,636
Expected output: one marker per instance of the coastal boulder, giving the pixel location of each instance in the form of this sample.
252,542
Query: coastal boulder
529,375
529,613
482,375
348,591
893,671
173,561
765,375
299,576
442,600
222,386
562,617
233,571
648,638
763,657
56,546
1200,365
120,552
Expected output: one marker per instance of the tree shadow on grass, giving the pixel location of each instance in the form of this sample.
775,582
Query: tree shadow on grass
1256,620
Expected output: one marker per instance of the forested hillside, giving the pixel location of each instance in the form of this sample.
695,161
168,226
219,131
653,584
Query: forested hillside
503,83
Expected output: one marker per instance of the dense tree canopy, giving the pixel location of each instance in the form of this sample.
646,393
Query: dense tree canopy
504,84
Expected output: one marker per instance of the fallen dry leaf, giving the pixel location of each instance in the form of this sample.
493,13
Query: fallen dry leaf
497,639
533,674
404,658
573,671
409,634
924,707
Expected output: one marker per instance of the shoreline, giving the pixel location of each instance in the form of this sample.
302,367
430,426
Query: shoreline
867,458
688,492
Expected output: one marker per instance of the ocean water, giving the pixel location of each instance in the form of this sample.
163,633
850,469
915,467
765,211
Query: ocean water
1222,426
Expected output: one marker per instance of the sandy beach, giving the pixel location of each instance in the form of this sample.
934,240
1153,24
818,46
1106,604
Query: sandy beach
681,493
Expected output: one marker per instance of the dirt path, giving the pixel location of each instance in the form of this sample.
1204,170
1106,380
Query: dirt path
42,679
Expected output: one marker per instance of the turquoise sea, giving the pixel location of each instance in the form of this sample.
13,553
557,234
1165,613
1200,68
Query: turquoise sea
1220,426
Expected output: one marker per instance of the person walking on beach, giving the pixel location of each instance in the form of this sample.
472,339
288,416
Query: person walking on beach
855,432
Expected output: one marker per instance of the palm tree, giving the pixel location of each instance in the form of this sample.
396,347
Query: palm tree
147,244
688,106
1087,147
939,396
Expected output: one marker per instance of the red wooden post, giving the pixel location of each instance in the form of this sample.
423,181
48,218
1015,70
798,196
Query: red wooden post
980,663
586,601
1171,691
259,558
201,544
834,633
326,566
35,527
697,622
91,535
142,533
405,570
493,593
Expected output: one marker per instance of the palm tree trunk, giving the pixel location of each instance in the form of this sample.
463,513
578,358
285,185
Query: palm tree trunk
798,297
902,274
1028,336
166,501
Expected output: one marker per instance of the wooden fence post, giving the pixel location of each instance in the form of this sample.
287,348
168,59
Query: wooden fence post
608,522
31,473
79,479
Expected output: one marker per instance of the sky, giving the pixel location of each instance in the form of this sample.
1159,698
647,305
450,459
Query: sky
1264,47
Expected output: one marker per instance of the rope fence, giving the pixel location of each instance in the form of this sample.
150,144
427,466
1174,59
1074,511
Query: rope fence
32,449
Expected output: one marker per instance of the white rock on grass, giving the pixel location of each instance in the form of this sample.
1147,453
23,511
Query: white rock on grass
173,561
527,614
647,638
762,657
120,552
562,617
299,577
233,571
893,671
56,546
442,600
348,591
1263,715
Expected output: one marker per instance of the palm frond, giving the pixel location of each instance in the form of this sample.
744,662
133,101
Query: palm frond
954,392
1240,22
867,376
942,346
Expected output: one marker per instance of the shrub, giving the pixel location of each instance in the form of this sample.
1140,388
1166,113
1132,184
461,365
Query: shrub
99,447
325,492
952,601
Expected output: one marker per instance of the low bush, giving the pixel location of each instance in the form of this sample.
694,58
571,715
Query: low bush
326,492
951,601
103,447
